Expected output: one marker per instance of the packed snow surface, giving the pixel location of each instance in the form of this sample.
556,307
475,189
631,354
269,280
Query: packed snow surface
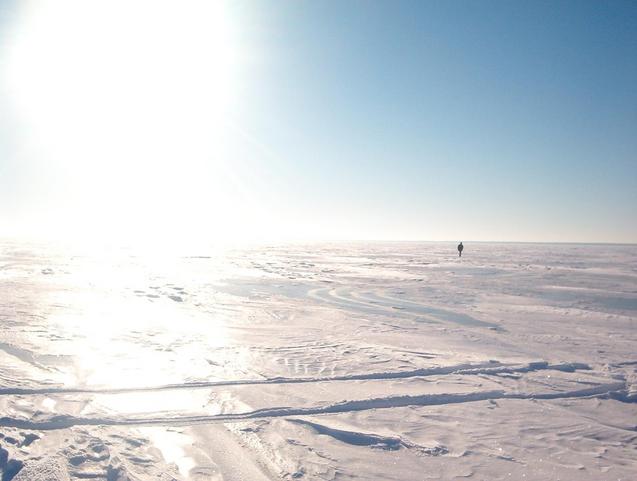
364,361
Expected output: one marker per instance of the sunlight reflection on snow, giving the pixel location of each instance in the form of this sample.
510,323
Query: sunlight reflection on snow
128,341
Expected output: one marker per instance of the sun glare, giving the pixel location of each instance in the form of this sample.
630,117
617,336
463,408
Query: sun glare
122,105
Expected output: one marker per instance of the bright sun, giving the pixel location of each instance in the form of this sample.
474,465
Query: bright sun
123,104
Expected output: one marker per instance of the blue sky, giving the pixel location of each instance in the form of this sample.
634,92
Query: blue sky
399,120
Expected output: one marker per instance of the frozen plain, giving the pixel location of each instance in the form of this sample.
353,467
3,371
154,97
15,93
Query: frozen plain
376,361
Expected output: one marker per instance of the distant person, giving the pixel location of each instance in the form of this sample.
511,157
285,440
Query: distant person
460,247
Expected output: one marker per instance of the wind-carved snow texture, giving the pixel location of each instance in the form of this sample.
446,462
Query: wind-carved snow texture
327,361
374,441
113,458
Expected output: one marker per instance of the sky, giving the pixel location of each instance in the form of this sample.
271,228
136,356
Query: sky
321,120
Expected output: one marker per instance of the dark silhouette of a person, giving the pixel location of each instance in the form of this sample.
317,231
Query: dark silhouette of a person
460,247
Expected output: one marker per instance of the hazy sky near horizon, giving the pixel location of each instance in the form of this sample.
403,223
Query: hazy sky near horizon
276,120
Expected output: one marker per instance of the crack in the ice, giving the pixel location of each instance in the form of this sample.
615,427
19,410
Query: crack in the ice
488,368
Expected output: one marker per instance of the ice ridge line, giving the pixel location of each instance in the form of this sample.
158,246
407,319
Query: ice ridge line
65,421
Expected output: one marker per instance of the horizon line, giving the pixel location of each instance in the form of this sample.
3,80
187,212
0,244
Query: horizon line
38,239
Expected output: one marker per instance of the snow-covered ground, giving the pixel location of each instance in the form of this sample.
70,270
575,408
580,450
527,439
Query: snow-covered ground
334,361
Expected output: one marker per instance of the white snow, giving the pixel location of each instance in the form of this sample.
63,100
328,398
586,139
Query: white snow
360,361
